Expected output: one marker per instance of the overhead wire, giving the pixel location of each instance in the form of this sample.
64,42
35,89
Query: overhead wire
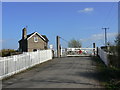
89,45
106,21
108,14
64,41
113,17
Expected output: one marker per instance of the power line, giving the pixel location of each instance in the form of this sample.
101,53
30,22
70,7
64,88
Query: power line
64,40
108,14
89,45
114,17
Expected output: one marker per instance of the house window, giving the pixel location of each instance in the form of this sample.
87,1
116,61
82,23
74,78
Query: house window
35,39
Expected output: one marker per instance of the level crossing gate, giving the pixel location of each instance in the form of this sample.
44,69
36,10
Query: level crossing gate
78,52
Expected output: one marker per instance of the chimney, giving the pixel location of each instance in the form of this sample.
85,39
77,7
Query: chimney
24,33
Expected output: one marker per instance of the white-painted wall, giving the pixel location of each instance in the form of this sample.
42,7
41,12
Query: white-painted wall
104,56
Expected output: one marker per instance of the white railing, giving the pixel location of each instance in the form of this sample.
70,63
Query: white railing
104,56
17,63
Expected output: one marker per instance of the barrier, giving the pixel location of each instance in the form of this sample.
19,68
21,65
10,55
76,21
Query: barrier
104,56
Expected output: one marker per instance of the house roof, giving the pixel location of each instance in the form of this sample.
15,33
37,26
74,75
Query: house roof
43,37
30,34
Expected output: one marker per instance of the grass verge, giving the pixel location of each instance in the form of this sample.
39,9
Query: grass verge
108,76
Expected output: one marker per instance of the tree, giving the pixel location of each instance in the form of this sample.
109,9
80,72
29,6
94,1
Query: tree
115,56
74,44
117,41
118,49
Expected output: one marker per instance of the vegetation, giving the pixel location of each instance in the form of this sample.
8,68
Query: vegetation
74,44
118,40
108,76
8,52
114,53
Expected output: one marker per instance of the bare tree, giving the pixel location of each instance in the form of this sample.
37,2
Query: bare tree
74,44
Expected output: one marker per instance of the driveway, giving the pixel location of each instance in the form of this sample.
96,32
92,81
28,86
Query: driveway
69,72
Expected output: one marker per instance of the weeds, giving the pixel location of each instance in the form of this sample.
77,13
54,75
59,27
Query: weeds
109,76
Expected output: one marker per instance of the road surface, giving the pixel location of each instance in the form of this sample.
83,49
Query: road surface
69,72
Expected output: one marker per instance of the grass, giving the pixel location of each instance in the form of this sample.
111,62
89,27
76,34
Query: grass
108,76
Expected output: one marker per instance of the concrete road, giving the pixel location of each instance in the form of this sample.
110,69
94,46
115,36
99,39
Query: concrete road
70,72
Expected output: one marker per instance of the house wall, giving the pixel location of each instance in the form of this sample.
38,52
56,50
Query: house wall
40,45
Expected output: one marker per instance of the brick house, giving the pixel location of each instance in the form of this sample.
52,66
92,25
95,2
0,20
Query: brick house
32,42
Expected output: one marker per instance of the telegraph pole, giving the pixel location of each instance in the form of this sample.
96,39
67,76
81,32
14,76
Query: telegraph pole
105,35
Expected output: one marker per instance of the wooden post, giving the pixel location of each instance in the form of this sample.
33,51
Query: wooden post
58,46
97,51
94,48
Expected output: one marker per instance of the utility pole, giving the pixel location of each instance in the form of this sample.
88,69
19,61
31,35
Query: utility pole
105,35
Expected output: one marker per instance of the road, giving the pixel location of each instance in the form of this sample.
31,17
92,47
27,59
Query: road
69,72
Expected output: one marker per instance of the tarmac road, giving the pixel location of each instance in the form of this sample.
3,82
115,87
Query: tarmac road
69,72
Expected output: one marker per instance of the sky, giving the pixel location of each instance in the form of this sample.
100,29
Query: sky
70,20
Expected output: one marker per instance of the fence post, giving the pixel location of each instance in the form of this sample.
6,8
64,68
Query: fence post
97,51
94,48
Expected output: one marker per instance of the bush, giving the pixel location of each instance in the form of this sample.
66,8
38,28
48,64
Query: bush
114,56
8,52
114,53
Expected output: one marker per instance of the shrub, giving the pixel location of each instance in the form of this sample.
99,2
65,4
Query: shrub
7,52
114,53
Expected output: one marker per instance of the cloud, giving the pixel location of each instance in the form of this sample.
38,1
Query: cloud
97,37
86,10
1,40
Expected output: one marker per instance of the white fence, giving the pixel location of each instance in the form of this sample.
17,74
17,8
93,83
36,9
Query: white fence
17,63
104,56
